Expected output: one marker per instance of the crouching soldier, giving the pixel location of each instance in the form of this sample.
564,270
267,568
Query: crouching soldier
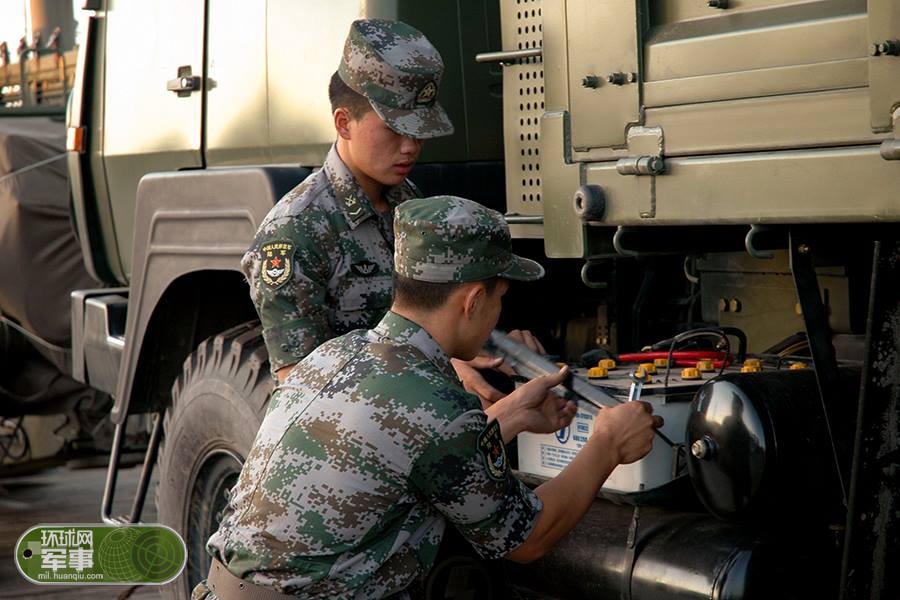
372,447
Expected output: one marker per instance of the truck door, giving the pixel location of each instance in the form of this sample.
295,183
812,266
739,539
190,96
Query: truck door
152,99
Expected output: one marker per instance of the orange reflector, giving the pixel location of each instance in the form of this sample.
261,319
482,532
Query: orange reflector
75,139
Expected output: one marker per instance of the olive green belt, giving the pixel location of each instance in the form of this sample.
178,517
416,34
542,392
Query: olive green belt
228,586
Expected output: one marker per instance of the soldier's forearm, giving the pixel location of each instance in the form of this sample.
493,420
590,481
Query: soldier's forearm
509,417
567,497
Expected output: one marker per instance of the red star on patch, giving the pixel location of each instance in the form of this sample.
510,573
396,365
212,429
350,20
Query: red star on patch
276,262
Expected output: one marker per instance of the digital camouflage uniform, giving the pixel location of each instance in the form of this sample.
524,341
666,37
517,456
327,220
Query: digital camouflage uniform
320,263
372,445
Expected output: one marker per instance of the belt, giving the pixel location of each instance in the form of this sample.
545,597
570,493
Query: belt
228,586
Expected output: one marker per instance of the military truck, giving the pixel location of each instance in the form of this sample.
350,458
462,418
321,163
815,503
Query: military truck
710,184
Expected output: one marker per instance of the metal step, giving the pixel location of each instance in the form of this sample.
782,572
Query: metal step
98,336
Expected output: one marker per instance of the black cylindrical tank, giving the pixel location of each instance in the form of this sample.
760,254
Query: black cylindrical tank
678,556
758,444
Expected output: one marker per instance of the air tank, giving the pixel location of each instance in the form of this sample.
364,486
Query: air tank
758,445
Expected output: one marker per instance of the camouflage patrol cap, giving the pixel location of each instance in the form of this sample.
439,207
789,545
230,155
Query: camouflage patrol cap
446,239
399,72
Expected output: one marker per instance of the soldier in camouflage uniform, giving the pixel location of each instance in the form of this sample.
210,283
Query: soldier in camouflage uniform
372,446
320,264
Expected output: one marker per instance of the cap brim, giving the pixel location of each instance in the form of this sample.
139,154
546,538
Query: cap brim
522,269
420,123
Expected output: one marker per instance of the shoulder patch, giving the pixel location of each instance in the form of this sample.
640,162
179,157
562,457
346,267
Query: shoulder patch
490,445
277,263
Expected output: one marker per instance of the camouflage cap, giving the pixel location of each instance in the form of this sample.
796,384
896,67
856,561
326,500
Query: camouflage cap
446,239
398,70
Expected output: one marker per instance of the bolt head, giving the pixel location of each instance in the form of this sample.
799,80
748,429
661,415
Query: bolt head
590,81
701,448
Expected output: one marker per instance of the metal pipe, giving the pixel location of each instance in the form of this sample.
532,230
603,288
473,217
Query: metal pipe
524,219
508,56
530,364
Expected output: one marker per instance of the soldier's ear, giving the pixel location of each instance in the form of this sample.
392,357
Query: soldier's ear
472,299
342,119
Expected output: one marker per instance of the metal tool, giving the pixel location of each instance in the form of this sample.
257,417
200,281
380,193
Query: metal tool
637,384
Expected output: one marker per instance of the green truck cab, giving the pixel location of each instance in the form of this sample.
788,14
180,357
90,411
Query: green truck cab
707,176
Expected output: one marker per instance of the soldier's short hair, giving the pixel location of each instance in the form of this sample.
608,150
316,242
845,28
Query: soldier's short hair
428,295
341,96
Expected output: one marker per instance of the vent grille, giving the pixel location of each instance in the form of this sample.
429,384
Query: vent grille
523,103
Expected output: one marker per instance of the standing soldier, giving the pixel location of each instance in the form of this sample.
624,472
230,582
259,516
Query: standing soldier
320,264
371,446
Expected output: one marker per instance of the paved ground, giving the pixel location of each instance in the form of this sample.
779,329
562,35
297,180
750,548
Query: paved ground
62,496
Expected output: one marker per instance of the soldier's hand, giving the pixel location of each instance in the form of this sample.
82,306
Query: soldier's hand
475,383
523,336
472,380
538,409
629,428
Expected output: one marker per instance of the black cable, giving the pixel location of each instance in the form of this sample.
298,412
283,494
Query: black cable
695,333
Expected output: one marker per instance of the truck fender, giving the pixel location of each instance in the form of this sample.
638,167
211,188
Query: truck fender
188,222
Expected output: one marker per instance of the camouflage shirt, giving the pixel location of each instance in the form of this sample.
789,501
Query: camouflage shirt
369,447
320,264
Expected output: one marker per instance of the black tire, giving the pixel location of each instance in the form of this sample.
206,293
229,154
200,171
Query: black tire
217,405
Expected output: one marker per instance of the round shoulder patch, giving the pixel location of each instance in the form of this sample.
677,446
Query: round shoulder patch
490,445
277,263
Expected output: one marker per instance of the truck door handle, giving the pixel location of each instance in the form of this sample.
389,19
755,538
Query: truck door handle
185,83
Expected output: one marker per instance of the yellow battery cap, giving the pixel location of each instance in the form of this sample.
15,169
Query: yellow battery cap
648,367
751,369
607,363
660,362
753,362
691,373
705,365
597,373
796,366
641,373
